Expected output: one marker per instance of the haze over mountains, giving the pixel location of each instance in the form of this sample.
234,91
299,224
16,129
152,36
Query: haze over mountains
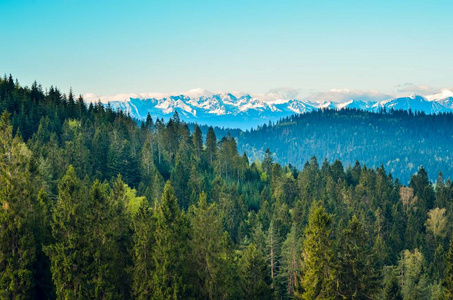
243,110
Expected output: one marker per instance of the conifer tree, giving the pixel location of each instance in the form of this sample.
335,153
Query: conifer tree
149,121
319,270
195,185
211,145
356,273
210,251
157,187
392,289
17,248
180,176
143,267
448,277
258,237
254,274
412,276
197,141
267,162
67,256
291,260
147,161
273,245
103,233
170,248
172,135
43,236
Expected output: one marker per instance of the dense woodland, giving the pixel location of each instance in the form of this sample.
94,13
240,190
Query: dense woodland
96,206
402,141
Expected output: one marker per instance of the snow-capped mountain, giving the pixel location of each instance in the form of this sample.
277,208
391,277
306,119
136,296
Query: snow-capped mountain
413,103
245,111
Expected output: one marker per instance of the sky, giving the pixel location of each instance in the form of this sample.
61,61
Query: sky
310,47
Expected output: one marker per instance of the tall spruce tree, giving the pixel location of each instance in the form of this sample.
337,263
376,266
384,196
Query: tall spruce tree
67,254
356,273
392,289
105,233
254,274
197,141
43,235
210,252
143,224
170,248
319,269
412,275
273,247
448,277
17,247
290,266
211,145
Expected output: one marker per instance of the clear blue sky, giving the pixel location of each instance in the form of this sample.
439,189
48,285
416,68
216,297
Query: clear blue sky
108,47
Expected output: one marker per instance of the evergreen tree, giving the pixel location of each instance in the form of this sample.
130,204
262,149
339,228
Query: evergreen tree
267,162
172,135
149,121
43,236
448,277
143,267
392,289
17,247
197,141
67,254
210,251
104,240
170,248
319,270
105,232
254,275
412,277
180,176
273,245
356,275
211,145
290,261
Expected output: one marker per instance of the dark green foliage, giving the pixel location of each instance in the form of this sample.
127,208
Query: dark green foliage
86,258
211,145
170,251
357,278
197,141
400,140
143,236
67,255
290,262
319,269
17,245
43,236
210,252
448,277
392,289
72,227
255,280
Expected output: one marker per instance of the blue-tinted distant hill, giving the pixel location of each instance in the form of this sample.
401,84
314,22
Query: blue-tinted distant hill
401,141
248,111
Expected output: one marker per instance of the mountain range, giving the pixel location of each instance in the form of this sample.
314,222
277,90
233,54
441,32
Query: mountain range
245,111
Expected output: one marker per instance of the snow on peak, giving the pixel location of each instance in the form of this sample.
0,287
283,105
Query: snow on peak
245,110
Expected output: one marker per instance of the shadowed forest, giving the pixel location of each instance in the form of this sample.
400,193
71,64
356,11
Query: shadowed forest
94,205
401,141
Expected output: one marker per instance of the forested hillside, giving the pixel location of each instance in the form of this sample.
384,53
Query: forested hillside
401,141
94,206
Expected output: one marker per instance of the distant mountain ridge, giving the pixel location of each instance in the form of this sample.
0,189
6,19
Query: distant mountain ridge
399,141
246,111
